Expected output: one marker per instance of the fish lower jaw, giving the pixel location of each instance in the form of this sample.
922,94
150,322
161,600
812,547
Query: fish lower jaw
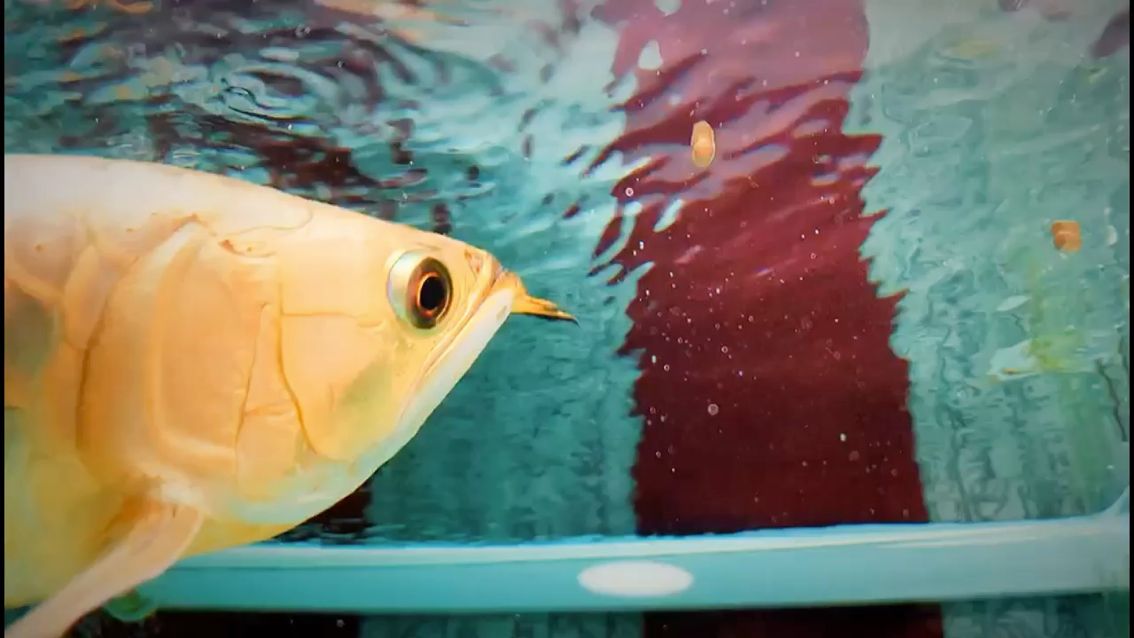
458,357
297,499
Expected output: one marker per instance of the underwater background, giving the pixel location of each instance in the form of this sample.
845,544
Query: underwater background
856,314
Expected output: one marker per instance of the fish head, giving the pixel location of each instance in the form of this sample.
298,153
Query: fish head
379,322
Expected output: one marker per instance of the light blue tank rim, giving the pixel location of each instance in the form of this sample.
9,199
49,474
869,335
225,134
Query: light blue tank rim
831,566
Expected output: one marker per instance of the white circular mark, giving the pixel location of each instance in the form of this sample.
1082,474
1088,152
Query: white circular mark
635,578
650,58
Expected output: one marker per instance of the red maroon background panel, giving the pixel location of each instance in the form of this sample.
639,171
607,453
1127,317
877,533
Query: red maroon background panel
769,392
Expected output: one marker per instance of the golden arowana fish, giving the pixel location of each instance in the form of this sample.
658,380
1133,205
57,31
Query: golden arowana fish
193,362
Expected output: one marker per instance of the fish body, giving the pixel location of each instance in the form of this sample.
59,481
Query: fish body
194,362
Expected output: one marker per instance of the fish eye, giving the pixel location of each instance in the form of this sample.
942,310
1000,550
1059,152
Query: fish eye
432,294
421,290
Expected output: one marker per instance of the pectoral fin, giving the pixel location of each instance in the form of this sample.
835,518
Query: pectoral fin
133,606
156,537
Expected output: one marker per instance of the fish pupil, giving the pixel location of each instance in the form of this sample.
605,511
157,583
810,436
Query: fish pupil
431,294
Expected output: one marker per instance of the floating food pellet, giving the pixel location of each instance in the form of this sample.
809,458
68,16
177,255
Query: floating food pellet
1065,235
704,144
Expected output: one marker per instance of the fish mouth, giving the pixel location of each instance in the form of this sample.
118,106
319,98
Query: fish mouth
498,294
525,304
